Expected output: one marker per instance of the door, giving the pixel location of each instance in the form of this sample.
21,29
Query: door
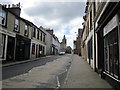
10,48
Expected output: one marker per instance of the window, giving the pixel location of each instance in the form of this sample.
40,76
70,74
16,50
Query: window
94,8
34,32
44,38
16,26
37,34
90,20
26,30
90,51
41,36
87,28
2,17
111,53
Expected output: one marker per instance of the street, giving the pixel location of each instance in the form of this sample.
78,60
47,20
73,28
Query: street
18,69
42,73
65,71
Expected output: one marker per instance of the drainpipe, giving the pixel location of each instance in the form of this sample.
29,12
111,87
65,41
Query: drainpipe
94,49
119,47
15,47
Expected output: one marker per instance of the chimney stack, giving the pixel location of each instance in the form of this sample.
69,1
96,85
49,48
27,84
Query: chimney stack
4,6
15,9
9,6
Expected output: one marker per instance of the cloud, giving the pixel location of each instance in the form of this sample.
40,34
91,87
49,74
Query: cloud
65,11
64,17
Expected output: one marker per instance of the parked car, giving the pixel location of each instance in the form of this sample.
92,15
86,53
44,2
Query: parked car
62,53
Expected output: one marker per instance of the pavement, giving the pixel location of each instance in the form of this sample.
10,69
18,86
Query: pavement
24,61
80,75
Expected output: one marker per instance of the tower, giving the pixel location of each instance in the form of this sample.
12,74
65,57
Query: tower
63,44
64,40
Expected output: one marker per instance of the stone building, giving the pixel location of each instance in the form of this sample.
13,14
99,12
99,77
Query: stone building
77,43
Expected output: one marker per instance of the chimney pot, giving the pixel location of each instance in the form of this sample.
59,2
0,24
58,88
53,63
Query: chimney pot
13,5
19,4
9,6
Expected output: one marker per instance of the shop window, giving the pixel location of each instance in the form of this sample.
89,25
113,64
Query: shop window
43,50
3,15
111,53
2,45
90,51
106,55
16,25
87,29
33,49
26,30
115,54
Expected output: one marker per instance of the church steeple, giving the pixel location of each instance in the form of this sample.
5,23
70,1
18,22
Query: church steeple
64,40
63,44
64,37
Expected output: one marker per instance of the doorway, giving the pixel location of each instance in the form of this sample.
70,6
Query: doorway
10,48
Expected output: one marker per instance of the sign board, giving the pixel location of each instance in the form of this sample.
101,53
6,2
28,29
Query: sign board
7,32
111,25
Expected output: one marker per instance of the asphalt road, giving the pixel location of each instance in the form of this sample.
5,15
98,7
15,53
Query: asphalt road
11,71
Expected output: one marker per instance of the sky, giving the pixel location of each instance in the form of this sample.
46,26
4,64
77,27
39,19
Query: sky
63,16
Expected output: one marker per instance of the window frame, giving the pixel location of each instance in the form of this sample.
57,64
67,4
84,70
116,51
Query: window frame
17,25
26,30
41,36
44,38
3,17
34,32
38,33
111,43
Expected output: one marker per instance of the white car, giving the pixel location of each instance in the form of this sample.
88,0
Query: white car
62,53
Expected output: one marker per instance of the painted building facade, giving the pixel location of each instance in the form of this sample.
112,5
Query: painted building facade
77,43
15,34
55,44
20,39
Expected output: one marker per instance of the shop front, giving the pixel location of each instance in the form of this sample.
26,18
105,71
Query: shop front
7,45
108,44
22,48
111,36
37,49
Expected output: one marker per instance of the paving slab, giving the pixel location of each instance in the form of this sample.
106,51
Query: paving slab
80,75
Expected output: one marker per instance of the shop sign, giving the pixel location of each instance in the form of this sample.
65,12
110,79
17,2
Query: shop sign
7,32
111,25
